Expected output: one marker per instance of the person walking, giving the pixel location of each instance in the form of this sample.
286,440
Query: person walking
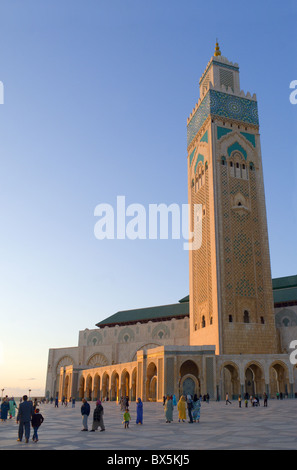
168,408
37,420
73,402
25,413
227,399
4,409
181,408
139,409
265,396
85,411
12,408
190,407
196,409
98,417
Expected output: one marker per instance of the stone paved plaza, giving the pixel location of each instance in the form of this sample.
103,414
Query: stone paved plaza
221,426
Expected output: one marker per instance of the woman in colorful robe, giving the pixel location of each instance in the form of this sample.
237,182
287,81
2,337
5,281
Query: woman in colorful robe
181,407
168,409
12,408
196,409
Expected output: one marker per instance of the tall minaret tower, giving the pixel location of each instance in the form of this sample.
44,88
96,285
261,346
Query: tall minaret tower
231,301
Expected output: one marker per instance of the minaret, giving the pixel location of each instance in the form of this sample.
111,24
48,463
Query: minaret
231,301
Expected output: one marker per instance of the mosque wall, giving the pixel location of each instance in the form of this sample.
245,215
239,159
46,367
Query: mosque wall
114,345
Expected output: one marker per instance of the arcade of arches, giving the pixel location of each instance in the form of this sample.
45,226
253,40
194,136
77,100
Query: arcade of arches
168,370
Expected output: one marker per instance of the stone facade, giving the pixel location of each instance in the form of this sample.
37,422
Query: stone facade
115,345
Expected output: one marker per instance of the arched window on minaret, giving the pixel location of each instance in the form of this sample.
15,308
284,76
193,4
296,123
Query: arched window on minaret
246,317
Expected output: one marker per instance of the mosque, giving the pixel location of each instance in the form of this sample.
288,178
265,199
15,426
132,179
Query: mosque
232,333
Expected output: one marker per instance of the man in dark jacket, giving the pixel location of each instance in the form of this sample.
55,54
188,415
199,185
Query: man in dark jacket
85,411
24,418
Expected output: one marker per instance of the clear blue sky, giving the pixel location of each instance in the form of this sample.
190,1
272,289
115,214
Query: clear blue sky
97,94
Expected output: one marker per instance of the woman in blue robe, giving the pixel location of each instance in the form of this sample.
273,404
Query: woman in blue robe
139,407
196,409
4,409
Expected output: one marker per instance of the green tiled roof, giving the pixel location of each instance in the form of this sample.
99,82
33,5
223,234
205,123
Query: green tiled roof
285,295
284,290
161,312
284,282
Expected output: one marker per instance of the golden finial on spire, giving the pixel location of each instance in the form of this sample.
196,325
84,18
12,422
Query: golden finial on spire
217,50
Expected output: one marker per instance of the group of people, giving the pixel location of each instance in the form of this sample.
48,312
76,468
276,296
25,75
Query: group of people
254,400
64,401
28,414
8,408
98,413
185,403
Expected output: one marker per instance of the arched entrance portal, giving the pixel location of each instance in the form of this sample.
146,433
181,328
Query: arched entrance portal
105,386
151,382
125,384
114,392
189,387
89,388
66,389
279,380
231,380
189,379
254,380
96,394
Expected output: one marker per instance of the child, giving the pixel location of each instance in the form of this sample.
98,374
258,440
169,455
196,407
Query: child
37,420
127,418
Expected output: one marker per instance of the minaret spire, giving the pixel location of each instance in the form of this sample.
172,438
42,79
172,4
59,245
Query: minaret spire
217,49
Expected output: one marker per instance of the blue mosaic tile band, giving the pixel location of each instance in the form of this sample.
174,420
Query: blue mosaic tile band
224,105
198,119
